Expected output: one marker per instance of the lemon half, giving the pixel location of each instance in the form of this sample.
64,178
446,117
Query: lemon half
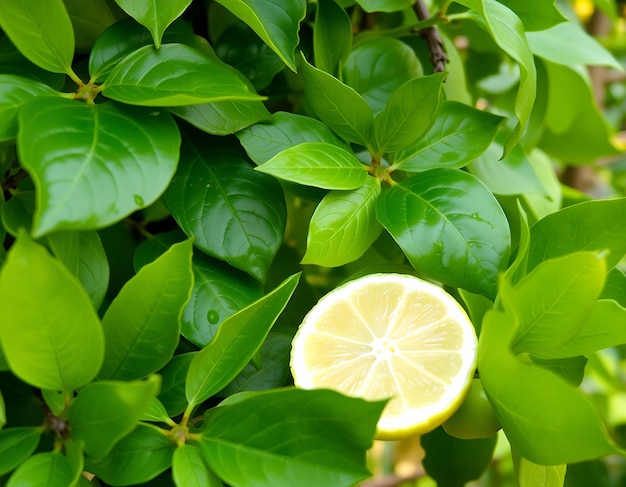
389,336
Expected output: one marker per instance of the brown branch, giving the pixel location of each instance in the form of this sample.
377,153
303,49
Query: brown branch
438,56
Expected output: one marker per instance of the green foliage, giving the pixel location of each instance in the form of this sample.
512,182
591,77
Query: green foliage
182,180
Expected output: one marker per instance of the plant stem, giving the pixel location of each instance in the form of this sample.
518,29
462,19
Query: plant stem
438,56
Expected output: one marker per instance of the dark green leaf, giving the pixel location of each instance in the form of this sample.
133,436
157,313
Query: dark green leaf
384,5
142,324
461,240
43,304
13,62
70,148
594,472
536,14
17,213
106,411
238,214
156,16
277,25
343,226
290,437
89,20
16,445
43,470
190,470
318,164
43,34
332,36
615,286
236,342
173,376
173,75
459,135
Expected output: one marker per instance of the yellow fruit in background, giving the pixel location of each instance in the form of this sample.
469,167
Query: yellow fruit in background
389,336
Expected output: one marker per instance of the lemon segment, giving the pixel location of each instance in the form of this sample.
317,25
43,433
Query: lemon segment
389,336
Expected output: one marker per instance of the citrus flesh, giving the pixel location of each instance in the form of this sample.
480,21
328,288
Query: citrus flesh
389,336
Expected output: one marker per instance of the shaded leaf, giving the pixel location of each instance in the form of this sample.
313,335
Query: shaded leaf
89,20
332,36
16,445
536,14
173,377
384,5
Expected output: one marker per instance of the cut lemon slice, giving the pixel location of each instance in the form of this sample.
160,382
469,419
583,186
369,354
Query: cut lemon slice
389,336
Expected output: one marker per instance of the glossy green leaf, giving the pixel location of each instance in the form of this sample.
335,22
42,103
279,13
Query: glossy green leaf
89,20
278,26
338,105
42,470
156,413
34,339
236,342
376,68
15,92
592,225
536,14
384,5
343,226
555,44
106,411
615,286
459,135
552,303
409,113
173,376
508,32
16,445
42,31
530,474
155,15
332,36
190,470
463,241
245,441
174,75
264,140
318,164
239,214
70,148
138,457
142,324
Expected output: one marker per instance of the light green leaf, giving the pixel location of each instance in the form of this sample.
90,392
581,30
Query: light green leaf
89,20
540,205
174,75
384,5
42,31
536,14
142,324
16,445
318,164
462,241
129,154
459,135
15,92
55,400
332,36
530,474
263,141
190,470
106,411
156,412
570,369
409,113
517,268
236,342
43,304
277,25
155,15
290,437
343,226
338,106
42,470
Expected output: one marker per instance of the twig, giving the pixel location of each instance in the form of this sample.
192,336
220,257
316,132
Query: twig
431,35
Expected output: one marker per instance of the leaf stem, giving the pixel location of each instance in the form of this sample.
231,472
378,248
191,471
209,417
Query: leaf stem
438,56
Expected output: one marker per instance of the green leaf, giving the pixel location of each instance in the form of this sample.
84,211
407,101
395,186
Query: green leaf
264,140
3,411
43,34
18,212
236,342
142,324
43,304
463,241
173,75
277,25
409,113
155,15
173,376
189,468
239,215
459,135
545,419
615,286
290,437
89,20
517,268
106,411
338,106
332,36
135,459
530,474
318,164
571,369
591,225
376,68
55,400
156,413
15,92
42,470
555,44
16,445
507,31
384,5
343,226
129,154
536,14
552,303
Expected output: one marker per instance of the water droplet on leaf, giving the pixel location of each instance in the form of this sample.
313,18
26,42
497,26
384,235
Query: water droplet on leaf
213,316
138,200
